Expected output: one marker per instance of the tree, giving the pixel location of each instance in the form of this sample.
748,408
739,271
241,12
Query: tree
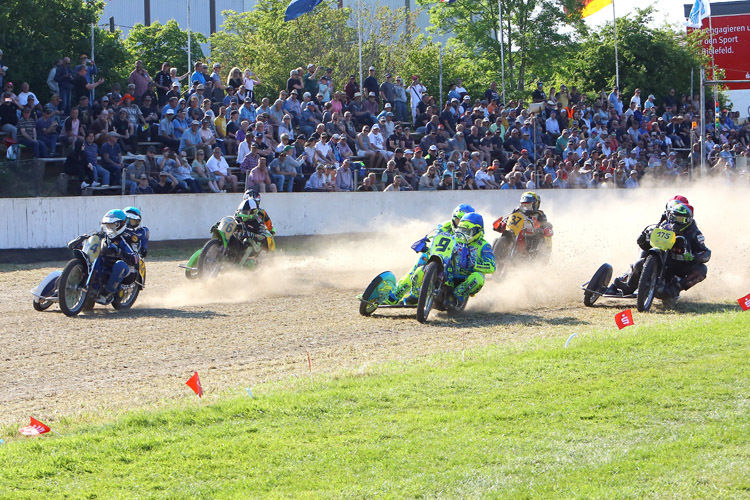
33,38
533,43
261,40
156,44
655,59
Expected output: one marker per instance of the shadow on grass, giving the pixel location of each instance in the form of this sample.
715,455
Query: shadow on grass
478,318
100,312
682,306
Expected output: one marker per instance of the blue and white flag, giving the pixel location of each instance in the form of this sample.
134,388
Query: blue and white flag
701,10
299,7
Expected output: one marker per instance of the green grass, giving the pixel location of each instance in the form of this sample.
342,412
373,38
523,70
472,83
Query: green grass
649,412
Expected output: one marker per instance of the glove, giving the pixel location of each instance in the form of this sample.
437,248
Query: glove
643,240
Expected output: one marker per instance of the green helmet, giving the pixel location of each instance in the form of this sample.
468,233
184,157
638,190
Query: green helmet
679,215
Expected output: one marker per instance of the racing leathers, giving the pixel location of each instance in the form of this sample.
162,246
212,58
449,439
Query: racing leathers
122,260
138,240
469,263
536,229
686,266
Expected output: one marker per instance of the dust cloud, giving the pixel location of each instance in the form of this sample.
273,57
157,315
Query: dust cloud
590,229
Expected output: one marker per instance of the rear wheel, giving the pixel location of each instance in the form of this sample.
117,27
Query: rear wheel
455,311
598,282
126,297
427,292
71,291
209,262
647,284
366,306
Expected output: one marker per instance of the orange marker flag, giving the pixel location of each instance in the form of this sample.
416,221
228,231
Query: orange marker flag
195,384
624,318
34,428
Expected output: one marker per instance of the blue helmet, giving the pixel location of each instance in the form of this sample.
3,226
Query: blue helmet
134,217
471,226
459,212
114,222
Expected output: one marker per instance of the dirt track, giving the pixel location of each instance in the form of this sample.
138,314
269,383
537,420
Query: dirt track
237,332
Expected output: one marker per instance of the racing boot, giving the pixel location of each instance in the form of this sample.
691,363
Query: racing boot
671,292
397,293
612,289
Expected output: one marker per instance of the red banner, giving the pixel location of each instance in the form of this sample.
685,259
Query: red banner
623,319
744,302
195,384
728,43
34,428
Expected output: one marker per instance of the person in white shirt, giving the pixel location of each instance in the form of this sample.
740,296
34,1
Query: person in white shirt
323,152
636,98
484,180
219,167
415,91
553,127
377,142
632,181
23,97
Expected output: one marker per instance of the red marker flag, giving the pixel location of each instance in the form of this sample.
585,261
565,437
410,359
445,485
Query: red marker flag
195,384
34,428
744,302
624,318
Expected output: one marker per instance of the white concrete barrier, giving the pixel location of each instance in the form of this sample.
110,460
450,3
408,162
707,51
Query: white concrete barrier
52,222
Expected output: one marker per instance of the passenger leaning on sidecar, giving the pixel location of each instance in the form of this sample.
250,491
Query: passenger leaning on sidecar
136,233
686,266
119,257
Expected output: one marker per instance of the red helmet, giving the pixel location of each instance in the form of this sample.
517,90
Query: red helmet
682,200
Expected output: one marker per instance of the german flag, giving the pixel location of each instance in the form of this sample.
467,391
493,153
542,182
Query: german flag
591,6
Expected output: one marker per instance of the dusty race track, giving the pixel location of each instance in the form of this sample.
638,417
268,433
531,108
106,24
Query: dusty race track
244,329
235,336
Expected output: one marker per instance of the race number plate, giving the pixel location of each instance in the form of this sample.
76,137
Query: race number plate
663,239
515,222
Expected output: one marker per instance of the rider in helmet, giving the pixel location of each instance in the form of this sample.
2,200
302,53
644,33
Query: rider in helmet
251,217
422,247
120,257
474,264
687,263
529,207
458,212
135,233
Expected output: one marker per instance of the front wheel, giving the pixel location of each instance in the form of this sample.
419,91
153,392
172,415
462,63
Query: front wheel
647,283
427,292
596,286
71,292
126,297
209,262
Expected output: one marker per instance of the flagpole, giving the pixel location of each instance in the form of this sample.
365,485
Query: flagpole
189,49
359,36
617,61
502,45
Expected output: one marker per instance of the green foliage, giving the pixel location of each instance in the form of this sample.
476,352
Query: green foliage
156,44
655,411
654,59
534,43
34,34
261,40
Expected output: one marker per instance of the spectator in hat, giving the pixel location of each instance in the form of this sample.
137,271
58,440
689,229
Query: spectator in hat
387,90
309,79
111,154
167,131
191,140
371,107
143,185
288,167
47,131
324,90
371,86
351,87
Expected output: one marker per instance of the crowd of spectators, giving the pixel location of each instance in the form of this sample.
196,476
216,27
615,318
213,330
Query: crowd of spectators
321,133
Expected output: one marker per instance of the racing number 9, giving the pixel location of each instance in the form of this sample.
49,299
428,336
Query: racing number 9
442,244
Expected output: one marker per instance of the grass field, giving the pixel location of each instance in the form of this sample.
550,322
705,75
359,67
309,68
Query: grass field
649,412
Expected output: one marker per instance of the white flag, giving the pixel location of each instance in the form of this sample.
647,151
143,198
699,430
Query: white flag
701,10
